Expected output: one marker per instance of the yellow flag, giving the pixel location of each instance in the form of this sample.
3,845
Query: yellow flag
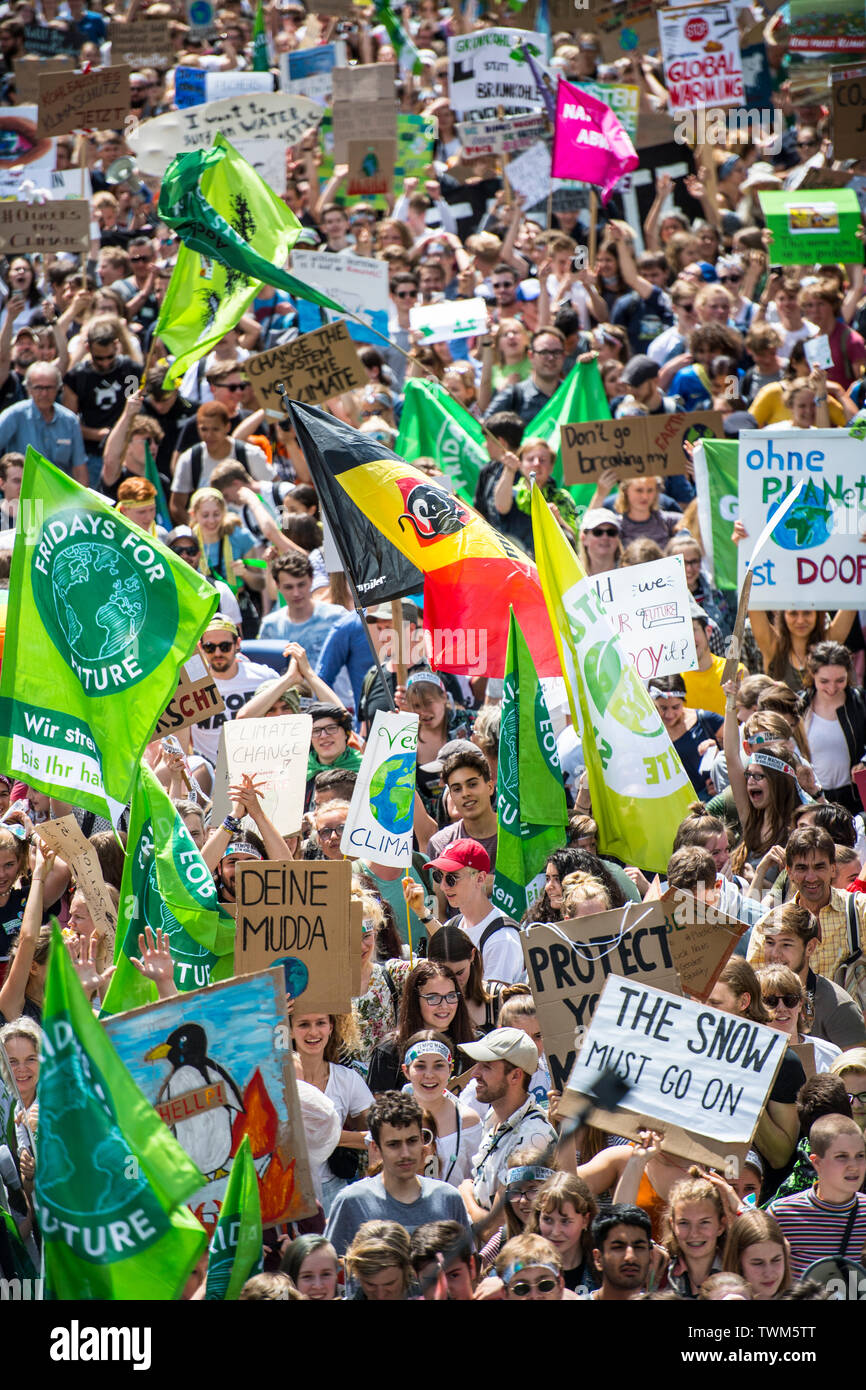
640,791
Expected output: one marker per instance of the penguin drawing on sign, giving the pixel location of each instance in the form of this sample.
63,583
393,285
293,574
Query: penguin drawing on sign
206,1137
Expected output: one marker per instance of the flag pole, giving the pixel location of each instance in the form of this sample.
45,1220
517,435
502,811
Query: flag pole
407,879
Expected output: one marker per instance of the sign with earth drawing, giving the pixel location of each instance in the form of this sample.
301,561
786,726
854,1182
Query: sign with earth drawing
814,558
379,823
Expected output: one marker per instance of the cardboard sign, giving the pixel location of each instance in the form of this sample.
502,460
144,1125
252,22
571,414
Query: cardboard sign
236,1077
371,167
29,70
45,227
849,117
367,82
66,837
83,100
47,40
701,940
638,446
814,558
702,62
686,1063
488,74
359,283
649,611
195,699
295,913
315,368
276,750
448,319
144,42
375,120
567,965
258,115
505,136
815,226
684,1143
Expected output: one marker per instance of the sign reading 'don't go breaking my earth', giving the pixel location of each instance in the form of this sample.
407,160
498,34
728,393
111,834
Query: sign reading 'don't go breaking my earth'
568,963
686,1064
314,368
638,446
296,913
45,227
83,100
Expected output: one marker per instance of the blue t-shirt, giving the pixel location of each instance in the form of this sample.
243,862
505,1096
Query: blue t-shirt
312,634
706,726
241,541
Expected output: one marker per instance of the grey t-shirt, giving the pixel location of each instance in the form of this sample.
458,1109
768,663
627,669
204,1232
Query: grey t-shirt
367,1200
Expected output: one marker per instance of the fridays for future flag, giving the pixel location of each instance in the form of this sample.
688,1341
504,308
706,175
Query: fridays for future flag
235,1251
104,618
589,143
639,789
379,823
434,425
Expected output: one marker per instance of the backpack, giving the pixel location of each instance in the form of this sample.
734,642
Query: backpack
197,458
851,974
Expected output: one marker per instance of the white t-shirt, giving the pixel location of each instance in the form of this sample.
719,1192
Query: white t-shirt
235,692
350,1096
830,757
256,463
502,957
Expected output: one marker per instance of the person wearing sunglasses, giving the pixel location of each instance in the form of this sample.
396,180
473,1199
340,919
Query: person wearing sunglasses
94,390
791,937
850,1067
461,873
674,341
784,996
235,676
530,1271
527,398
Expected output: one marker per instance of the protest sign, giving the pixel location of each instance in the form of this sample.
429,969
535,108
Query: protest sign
505,136
47,40
81,100
315,368
624,102
308,72
369,82
717,487
275,750
825,26
529,174
488,73
45,227
567,965
371,167
379,823
359,283
648,608
192,86
626,27
195,699
637,446
66,838
268,115
334,8
295,913
29,70
815,226
701,940
216,1064
144,42
814,558
65,184
268,158
849,117
448,319
684,1061
375,120
22,152
702,62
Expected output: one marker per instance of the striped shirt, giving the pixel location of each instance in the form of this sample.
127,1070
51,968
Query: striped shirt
815,1229
833,946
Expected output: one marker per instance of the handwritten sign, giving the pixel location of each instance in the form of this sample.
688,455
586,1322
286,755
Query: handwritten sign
275,750
701,49
83,100
258,115
487,73
371,167
379,823
701,940
47,40
374,120
505,136
686,1063
295,913
567,966
65,836
648,608
638,446
820,225
45,227
849,117
145,42
195,699
315,368
359,283
530,174
29,70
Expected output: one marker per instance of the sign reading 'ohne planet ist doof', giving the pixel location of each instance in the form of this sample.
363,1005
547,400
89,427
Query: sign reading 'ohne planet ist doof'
687,1064
379,823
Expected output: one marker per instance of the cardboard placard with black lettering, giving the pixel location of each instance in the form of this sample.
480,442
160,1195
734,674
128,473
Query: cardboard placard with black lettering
66,838
296,913
638,446
701,940
97,100
29,70
46,227
145,42
195,699
685,1063
568,963
314,368
849,118
371,167
369,82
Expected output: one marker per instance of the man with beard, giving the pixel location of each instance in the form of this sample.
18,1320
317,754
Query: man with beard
237,679
791,937
622,1247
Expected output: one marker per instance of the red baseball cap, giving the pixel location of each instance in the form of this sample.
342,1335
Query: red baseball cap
462,854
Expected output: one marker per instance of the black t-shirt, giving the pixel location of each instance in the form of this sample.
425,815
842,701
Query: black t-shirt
706,726
11,915
642,319
102,395
171,422
790,1078
188,434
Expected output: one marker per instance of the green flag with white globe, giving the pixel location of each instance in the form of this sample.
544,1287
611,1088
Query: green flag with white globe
101,618
379,822
235,1250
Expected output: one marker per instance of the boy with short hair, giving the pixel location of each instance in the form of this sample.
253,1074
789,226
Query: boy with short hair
829,1219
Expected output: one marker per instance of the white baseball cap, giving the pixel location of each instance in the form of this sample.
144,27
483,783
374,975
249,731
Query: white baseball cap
505,1045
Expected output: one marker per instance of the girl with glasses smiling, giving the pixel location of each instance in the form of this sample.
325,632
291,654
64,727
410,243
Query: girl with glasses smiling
431,999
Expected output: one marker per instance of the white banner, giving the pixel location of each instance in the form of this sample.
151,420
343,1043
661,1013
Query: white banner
275,750
379,823
448,319
259,115
648,607
702,62
488,74
505,136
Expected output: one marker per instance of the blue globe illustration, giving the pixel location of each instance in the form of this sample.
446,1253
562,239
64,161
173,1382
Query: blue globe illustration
392,792
296,974
809,522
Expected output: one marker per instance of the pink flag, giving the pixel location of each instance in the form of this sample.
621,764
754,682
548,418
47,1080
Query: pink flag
589,144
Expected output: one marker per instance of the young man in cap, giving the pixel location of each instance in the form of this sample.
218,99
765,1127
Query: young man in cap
461,872
236,678
504,1064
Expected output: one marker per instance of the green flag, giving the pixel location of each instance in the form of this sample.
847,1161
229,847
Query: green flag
530,805
580,397
261,56
103,619
434,425
235,1251
166,884
111,1178
163,515
717,484
408,57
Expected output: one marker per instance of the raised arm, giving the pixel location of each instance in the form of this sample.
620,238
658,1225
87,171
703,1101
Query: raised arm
732,751
14,988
